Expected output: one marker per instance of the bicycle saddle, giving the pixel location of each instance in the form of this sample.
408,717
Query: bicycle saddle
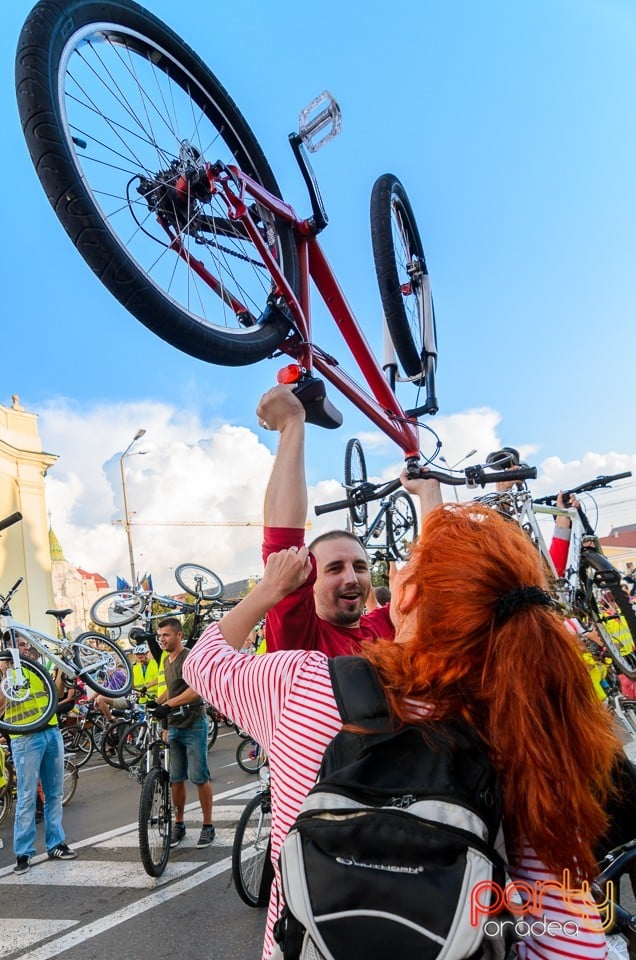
319,410
60,614
504,458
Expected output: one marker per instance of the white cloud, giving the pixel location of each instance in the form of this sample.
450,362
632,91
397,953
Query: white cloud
206,471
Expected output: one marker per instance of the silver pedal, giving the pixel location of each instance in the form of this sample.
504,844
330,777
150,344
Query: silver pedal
322,113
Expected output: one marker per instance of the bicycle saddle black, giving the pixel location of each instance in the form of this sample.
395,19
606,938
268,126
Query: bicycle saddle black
319,410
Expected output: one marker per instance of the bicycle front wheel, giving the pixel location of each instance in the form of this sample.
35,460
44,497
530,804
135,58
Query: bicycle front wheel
402,525
109,746
249,756
155,814
118,608
29,693
78,741
403,279
102,665
198,581
71,776
615,620
252,870
132,744
123,120
355,473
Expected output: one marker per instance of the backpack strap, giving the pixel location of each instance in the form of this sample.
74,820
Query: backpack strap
359,694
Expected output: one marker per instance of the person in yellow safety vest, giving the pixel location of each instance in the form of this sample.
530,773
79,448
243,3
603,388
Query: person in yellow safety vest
38,756
145,674
162,686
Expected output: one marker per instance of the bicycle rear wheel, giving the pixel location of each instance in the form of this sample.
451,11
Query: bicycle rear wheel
192,578
249,756
155,815
102,665
71,776
118,608
403,279
78,741
121,119
355,473
615,620
30,695
109,746
252,869
402,525
133,744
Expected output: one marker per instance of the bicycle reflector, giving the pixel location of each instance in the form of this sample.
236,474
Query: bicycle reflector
289,374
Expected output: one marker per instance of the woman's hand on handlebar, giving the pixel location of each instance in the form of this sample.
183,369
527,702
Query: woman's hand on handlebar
426,488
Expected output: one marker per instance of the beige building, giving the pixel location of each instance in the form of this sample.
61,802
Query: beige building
24,547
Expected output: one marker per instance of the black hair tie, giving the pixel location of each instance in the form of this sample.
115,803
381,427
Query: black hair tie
518,599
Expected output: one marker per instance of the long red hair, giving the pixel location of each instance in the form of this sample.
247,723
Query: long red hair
522,683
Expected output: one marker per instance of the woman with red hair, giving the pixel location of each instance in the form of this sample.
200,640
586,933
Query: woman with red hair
477,637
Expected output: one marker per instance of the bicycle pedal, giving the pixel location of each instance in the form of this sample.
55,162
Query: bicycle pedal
322,113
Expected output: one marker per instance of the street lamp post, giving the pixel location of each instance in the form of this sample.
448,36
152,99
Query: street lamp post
131,555
470,453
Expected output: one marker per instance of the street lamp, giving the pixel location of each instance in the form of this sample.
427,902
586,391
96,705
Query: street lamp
133,575
470,453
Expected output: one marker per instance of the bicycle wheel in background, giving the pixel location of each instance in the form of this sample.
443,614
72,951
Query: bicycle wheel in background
6,788
629,711
615,620
355,472
252,869
198,581
71,776
109,746
116,609
102,664
133,744
155,815
77,741
403,279
29,693
402,525
213,728
121,118
249,756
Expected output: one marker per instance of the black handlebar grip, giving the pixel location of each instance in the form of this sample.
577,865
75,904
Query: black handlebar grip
9,521
336,505
510,476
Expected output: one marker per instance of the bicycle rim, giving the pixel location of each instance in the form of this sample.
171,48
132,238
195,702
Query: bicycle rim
615,621
247,763
71,776
102,664
198,581
355,472
250,852
132,111
155,812
402,525
30,695
116,609
78,741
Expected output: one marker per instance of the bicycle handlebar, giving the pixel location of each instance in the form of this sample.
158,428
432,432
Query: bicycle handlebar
9,521
602,481
471,477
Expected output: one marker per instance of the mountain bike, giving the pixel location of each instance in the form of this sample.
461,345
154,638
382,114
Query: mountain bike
120,607
252,870
590,588
155,802
164,190
394,528
91,657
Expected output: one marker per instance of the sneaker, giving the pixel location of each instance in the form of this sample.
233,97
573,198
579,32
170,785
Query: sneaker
62,852
206,836
22,864
178,833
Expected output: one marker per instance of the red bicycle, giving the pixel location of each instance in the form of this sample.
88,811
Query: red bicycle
166,193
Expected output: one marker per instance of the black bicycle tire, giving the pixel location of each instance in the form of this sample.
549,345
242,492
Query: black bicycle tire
624,663
212,594
110,741
6,794
213,731
49,686
81,755
629,711
246,745
252,899
47,38
125,756
395,535
154,868
122,664
109,599
354,452
70,769
409,344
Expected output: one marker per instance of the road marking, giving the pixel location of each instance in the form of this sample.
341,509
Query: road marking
17,934
99,873
54,948
224,837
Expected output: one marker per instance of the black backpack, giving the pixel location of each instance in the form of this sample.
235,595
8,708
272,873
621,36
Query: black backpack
390,842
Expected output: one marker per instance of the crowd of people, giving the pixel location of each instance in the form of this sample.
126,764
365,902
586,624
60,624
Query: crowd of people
484,652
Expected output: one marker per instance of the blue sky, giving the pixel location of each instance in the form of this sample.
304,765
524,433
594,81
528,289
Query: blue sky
511,127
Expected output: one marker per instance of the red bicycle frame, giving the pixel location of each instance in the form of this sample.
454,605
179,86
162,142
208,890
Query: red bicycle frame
381,405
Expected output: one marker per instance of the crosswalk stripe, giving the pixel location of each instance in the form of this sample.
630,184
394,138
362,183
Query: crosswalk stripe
224,837
17,934
99,873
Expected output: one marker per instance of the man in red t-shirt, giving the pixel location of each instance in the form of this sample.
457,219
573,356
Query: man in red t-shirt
327,612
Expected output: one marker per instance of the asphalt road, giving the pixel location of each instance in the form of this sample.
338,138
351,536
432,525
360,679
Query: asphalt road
104,905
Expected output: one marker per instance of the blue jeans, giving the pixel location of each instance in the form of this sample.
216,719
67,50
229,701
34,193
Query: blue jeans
38,756
189,753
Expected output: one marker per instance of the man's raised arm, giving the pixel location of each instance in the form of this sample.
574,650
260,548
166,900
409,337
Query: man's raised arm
286,494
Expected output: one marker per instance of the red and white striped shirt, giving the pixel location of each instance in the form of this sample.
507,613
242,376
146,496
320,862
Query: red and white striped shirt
285,700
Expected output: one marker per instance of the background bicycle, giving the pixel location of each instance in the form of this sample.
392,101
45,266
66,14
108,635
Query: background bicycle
252,870
155,801
8,784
